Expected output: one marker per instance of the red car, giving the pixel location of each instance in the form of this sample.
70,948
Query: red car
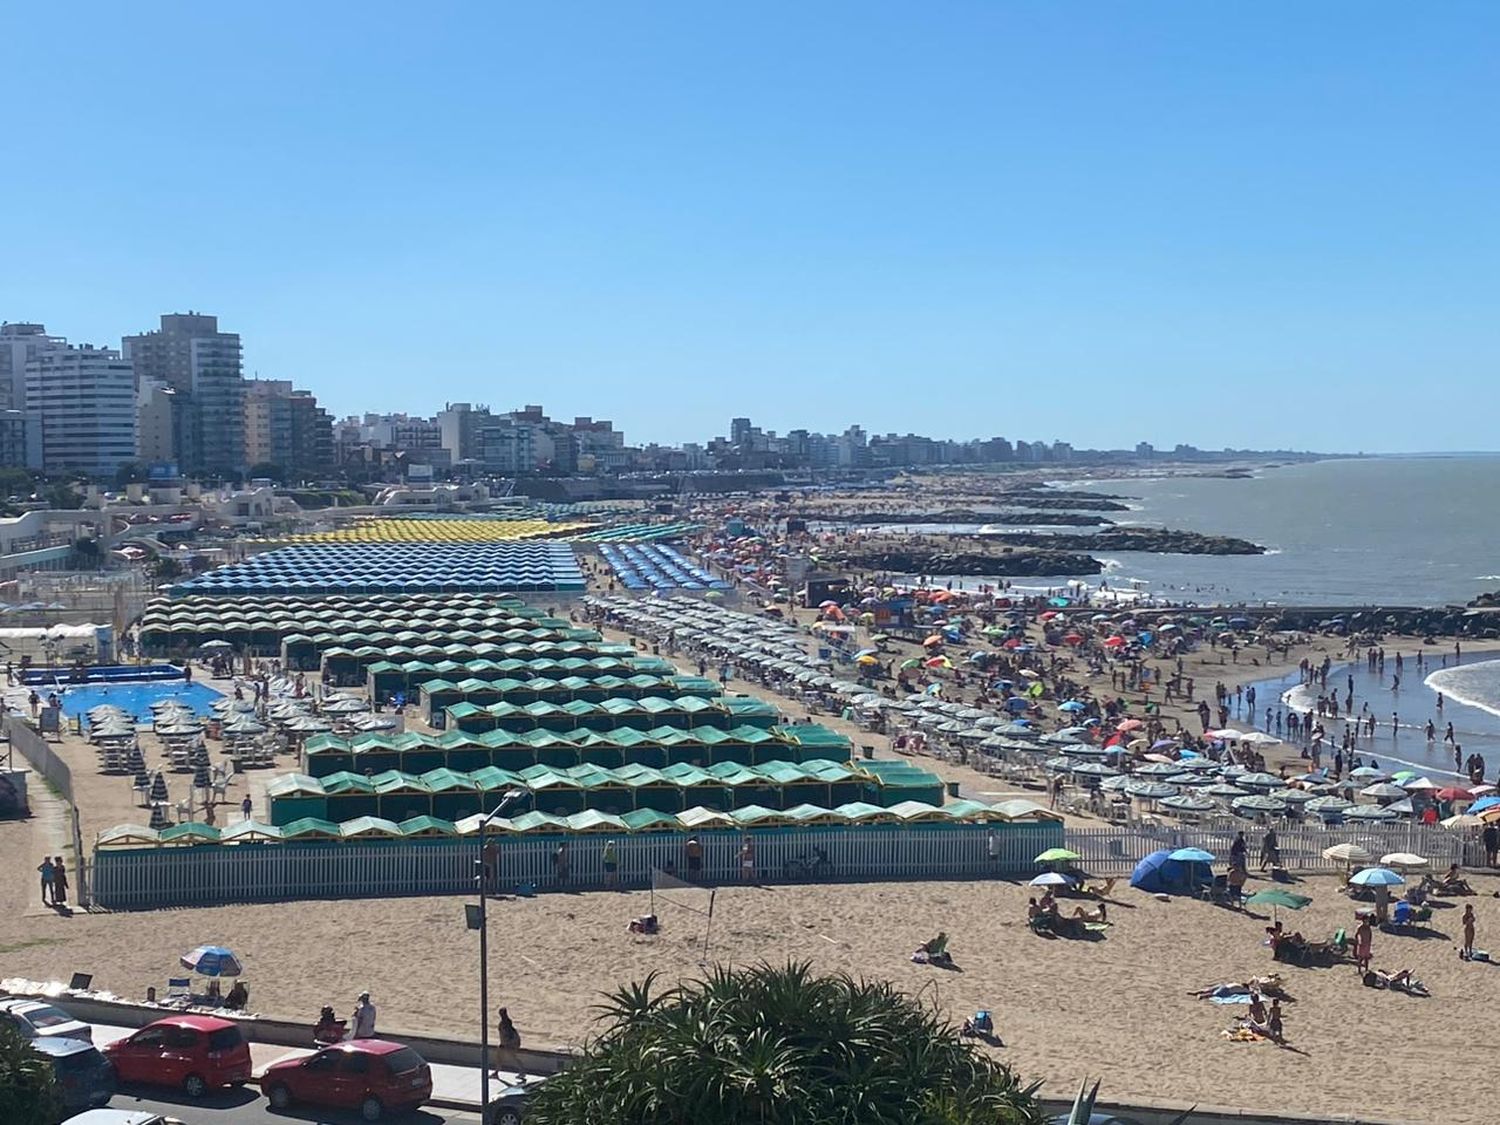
370,1075
194,1053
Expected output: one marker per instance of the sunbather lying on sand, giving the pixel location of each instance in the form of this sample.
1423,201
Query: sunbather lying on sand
1396,982
1269,985
1099,915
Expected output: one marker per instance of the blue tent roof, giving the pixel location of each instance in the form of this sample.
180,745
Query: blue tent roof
1159,873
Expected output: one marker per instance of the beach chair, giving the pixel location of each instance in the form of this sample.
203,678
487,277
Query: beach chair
179,988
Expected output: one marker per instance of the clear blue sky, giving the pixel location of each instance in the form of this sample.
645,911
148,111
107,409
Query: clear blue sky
1251,224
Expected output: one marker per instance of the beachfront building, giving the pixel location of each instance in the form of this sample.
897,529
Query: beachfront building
84,399
189,354
287,428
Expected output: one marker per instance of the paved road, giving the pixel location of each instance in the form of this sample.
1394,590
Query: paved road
247,1107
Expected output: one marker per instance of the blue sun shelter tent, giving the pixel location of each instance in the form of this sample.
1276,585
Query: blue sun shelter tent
1159,873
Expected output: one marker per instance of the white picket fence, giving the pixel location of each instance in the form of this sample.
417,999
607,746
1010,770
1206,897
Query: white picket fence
213,874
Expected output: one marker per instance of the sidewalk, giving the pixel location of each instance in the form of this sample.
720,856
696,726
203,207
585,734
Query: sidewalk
453,1087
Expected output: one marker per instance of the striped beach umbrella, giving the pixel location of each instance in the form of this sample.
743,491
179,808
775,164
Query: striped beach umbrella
158,818
159,787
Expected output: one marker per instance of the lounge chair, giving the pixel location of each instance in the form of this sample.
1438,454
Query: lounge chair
1101,890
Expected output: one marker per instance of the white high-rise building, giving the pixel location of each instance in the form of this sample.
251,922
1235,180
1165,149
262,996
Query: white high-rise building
20,343
189,354
85,400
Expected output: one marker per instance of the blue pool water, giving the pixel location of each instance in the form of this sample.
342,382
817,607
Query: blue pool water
137,698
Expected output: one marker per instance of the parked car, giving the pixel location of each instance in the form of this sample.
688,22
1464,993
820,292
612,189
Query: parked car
84,1076
373,1076
37,1020
120,1117
194,1053
508,1107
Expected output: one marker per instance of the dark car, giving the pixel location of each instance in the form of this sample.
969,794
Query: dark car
508,1107
371,1075
84,1076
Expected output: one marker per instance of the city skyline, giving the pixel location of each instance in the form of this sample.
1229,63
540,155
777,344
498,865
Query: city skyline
1254,226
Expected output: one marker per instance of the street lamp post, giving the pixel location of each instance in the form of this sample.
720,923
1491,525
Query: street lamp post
481,878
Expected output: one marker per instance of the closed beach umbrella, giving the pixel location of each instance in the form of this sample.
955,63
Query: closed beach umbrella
158,818
158,787
201,778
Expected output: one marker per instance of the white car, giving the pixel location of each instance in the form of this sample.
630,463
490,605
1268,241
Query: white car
120,1117
36,1020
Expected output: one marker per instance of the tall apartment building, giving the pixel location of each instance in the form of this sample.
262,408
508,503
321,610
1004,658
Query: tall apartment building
189,354
85,400
19,344
166,424
285,427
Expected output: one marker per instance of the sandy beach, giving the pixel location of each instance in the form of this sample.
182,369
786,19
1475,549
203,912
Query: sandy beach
1116,1008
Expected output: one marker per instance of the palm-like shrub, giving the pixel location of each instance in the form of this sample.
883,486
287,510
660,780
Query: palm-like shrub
778,1046
28,1090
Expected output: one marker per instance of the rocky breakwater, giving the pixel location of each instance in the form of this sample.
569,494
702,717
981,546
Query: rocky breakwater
1007,562
1158,540
878,516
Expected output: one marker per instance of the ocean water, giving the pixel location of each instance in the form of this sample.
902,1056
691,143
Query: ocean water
1470,702
1394,531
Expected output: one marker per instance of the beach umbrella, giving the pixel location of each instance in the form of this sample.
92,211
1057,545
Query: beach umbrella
201,778
158,818
1463,820
1383,789
1072,706
1278,897
1188,802
1260,738
1483,804
1405,861
1051,879
1095,769
1369,812
933,641
158,787
1403,775
1259,781
1377,877
1366,773
1151,790
1128,725
1420,784
211,961
1328,804
1453,793
1116,783
1224,789
1228,734
1258,803
1058,855
1159,769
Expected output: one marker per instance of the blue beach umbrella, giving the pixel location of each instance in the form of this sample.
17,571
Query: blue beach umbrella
1377,877
1191,855
1072,705
212,961
1483,803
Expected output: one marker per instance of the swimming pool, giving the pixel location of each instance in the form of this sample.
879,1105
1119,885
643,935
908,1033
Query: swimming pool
136,698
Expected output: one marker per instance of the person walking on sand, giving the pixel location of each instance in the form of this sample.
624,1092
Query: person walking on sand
1270,854
1468,950
59,881
47,872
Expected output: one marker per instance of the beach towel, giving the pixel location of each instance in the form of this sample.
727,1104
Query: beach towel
1232,998
1243,1035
